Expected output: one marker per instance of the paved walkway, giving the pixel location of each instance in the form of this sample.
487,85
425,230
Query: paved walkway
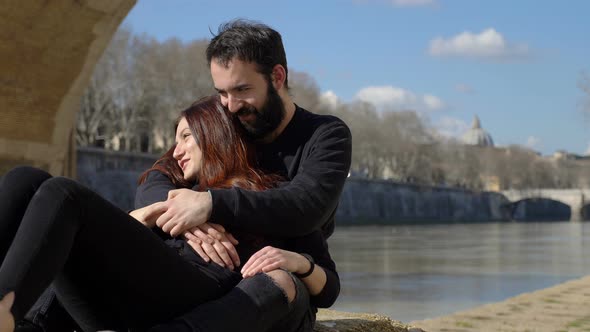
565,307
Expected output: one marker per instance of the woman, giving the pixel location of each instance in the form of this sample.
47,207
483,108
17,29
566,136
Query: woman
65,233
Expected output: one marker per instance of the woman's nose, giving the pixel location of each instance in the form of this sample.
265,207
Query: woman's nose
177,154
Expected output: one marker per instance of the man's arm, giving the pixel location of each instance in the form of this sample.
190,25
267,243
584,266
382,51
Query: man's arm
300,206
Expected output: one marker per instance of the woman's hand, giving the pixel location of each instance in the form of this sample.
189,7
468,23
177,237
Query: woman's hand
6,318
212,242
148,215
270,258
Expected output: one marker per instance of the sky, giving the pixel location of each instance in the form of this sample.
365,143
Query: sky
515,64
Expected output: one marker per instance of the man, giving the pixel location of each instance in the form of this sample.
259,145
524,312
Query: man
312,152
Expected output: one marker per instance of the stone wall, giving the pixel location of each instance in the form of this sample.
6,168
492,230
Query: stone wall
115,174
112,174
385,202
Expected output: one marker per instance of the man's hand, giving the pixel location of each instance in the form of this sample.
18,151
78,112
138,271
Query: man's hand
147,215
6,318
212,242
270,258
186,209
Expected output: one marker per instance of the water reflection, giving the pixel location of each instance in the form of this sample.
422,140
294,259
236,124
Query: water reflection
418,272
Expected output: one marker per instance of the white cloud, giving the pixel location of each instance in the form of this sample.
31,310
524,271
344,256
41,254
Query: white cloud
489,44
330,99
452,127
587,152
464,88
392,98
532,142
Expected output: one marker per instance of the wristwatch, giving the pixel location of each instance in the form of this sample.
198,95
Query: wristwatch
311,267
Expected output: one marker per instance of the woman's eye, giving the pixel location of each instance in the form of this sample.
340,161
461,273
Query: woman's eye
186,135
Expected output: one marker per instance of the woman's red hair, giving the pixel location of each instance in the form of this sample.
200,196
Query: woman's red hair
228,159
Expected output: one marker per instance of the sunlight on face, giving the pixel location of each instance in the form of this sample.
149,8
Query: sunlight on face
187,152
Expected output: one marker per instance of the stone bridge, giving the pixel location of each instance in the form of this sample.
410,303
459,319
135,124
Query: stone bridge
48,51
577,199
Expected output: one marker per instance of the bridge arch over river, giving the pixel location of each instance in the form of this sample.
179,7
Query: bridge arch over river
48,51
577,199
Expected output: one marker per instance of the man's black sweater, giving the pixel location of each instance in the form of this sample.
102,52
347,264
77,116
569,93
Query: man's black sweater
313,153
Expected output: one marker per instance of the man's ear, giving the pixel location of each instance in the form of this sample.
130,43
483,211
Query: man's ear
278,76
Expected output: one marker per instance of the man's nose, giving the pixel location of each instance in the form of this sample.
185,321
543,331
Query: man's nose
233,104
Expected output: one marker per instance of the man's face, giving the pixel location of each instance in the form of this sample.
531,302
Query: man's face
249,96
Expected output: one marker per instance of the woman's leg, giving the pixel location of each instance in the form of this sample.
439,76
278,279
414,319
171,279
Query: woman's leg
256,304
100,256
17,187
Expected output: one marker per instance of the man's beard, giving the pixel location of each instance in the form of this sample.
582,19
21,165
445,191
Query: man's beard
267,118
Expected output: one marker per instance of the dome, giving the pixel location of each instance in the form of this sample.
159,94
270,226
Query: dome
477,136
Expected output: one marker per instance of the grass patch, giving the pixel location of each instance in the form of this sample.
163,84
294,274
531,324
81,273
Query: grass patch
550,300
464,324
582,322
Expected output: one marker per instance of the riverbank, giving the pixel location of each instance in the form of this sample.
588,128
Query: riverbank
565,307
338,321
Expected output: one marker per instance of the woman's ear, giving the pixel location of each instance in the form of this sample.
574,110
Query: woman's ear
278,77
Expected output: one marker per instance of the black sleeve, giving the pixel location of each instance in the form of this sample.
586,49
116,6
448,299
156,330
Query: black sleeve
302,205
154,189
331,290
329,293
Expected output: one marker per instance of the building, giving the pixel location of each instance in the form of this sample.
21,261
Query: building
477,136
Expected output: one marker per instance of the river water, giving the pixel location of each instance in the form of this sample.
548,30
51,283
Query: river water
424,271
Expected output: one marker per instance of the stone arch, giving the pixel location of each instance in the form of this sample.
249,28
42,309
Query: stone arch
48,51
585,212
540,209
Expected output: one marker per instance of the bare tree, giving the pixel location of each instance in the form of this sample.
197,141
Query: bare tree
305,90
96,117
138,89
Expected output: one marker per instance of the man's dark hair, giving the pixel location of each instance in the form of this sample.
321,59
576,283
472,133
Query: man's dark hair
248,41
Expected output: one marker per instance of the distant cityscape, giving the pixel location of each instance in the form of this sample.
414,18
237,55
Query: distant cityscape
136,93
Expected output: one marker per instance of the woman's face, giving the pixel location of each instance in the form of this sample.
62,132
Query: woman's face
187,152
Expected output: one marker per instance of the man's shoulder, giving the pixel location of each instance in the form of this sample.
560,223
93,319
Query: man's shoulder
317,121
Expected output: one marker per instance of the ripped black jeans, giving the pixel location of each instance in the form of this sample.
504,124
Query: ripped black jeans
108,270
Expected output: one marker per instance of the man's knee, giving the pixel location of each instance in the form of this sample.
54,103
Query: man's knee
284,281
